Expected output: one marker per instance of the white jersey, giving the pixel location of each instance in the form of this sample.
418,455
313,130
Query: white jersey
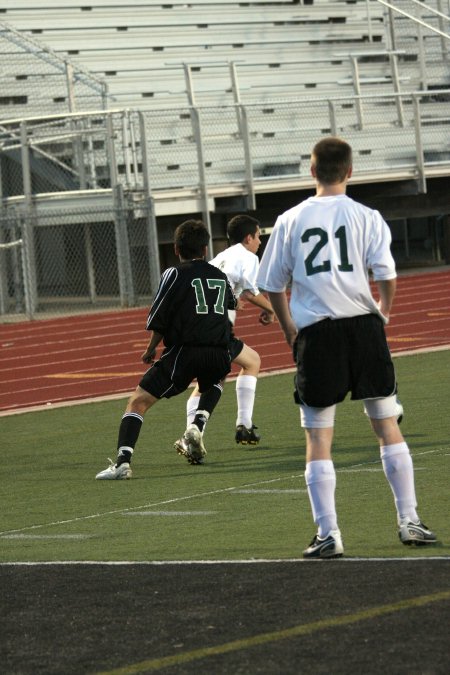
241,267
325,246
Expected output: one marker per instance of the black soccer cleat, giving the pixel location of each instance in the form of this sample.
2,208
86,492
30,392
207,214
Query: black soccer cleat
246,436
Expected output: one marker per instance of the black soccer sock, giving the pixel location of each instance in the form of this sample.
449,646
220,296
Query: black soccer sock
129,430
208,401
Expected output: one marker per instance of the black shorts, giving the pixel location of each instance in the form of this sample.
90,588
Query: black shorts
179,366
335,357
235,346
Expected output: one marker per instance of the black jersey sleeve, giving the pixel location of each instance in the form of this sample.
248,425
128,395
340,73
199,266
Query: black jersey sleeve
159,314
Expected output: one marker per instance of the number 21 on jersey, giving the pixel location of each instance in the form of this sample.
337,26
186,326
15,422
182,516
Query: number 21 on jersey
312,266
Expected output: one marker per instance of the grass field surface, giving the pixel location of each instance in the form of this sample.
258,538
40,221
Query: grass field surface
242,504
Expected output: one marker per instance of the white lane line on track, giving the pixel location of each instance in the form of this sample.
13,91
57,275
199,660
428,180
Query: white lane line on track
177,500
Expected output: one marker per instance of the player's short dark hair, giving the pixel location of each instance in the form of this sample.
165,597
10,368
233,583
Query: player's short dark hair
190,238
240,226
332,158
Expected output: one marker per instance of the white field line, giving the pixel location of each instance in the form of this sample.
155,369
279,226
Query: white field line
249,561
199,495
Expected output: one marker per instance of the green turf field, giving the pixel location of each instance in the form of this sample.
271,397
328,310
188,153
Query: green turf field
242,504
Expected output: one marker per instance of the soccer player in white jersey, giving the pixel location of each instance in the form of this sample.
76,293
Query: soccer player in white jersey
325,247
240,263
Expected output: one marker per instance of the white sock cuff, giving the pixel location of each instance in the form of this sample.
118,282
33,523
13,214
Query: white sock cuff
319,470
394,449
124,448
246,382
205,413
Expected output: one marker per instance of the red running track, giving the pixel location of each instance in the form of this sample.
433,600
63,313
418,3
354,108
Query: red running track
79,357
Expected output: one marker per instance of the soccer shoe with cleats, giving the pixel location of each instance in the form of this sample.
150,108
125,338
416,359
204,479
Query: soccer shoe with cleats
191,445
182,447
328,547
246,436
415,534
115,472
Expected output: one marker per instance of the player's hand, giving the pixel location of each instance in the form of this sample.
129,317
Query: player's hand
149,356
266,317
383,312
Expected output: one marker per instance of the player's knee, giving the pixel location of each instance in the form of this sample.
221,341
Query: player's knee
317,418
381,408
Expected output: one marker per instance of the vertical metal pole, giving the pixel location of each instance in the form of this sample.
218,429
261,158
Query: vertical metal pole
332,113
90,263
123,250
152,231
70,87
242,122
369,21
74,125
396,83
357,89
422,183
443,29
197,132
111,151
422,58
126,146
28,257
391,20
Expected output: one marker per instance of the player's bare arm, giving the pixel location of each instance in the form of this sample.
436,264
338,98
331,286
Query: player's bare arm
267,315
149,355
281,307
386,289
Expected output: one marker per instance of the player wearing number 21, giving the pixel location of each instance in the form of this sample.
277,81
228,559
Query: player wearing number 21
325,247
190,315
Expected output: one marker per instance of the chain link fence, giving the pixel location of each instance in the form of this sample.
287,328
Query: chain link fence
65,261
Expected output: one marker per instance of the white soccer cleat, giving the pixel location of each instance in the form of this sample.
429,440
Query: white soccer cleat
329,547
417,534
114,472
194,439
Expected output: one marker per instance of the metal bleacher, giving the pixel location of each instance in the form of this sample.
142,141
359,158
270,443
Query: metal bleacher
301,69
115,113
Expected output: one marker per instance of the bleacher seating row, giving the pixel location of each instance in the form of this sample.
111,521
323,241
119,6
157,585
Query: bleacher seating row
281,52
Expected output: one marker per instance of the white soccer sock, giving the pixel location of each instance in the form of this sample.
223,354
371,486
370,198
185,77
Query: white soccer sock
320,477
398,469
191,408
245,394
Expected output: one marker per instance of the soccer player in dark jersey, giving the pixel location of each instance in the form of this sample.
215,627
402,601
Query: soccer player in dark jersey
190,315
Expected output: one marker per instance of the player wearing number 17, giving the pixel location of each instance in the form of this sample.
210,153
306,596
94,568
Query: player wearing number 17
190,314
325,246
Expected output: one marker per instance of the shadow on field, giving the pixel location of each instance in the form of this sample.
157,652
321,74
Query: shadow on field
339,616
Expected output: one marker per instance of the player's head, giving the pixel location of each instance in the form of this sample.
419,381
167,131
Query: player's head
191,239
243,229
331,161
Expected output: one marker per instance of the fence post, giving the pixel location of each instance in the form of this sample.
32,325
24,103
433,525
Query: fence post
123,250
28,257
422,182
150,217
